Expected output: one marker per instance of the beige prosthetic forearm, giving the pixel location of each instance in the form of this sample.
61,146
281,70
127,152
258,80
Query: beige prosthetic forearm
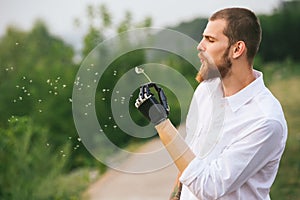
175,144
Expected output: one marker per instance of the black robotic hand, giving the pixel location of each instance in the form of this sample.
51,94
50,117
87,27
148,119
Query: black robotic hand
146,103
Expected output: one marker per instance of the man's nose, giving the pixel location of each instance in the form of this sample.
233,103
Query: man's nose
200,46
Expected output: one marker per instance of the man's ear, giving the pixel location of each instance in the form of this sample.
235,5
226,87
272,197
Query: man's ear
238,49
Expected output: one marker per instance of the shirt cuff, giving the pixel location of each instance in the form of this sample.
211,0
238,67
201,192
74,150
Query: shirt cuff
192,171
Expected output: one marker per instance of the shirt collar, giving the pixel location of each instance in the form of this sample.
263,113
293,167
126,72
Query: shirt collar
239,99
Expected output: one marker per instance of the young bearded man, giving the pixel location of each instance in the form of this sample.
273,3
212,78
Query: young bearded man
236,130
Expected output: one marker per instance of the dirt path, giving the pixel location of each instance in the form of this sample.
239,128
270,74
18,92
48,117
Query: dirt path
115,185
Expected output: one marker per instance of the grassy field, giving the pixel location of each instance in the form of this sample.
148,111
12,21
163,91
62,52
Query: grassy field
287,183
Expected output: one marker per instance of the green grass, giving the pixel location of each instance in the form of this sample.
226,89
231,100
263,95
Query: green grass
287,182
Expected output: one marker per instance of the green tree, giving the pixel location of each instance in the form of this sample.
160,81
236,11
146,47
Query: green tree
37,76
280,39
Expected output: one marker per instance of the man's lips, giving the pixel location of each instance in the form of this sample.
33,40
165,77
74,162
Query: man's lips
201,57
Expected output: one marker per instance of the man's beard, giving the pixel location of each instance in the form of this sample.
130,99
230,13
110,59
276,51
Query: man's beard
209,70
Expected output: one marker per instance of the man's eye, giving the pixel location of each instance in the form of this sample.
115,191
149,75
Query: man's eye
210,39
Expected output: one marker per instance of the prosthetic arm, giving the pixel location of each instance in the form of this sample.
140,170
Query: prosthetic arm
157,113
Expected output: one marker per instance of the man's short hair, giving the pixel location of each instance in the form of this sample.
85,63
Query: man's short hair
242,25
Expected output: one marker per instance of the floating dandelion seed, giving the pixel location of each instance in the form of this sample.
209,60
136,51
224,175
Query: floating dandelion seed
70,100
64,86
79,139
140,70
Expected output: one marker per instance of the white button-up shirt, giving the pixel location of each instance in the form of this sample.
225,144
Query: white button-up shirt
238,142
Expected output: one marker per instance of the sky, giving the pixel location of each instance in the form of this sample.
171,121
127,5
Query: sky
59,15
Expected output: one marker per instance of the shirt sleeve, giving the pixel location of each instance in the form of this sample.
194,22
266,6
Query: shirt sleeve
236,164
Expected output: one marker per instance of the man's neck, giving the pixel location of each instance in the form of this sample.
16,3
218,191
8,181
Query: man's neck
236,81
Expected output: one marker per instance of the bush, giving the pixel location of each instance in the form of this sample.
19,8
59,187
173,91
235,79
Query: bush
30,169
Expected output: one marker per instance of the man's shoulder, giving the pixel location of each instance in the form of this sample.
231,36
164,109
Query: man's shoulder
269,105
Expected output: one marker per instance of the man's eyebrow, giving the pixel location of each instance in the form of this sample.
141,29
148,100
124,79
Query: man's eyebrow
208,36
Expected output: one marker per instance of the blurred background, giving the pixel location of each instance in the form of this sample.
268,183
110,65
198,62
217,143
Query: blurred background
42,45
